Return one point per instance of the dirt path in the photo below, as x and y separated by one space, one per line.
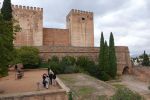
134 84
27 84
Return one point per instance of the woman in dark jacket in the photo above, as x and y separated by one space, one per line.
54 79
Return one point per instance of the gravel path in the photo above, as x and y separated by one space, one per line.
27 84
134 84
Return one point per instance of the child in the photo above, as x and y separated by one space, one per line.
44 80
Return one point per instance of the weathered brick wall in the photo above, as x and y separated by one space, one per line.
143 73
31 22
37 95
122 53
55 37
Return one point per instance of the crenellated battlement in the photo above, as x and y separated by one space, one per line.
80 12
27 8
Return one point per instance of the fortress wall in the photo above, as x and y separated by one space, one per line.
122 53
31 21
55 37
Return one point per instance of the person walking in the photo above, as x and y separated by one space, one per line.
50 76
16 71
54 79
47 82
16 67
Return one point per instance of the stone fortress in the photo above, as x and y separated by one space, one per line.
76 40
79 32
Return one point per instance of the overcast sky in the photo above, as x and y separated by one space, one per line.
129 20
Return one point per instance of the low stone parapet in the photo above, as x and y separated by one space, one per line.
37 95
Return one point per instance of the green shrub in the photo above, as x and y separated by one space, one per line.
90 66
82 61
103 76
94 71
44 64
71 69
103 97
55 67
70 96
54 59
68 60
3 71
126 94
28 56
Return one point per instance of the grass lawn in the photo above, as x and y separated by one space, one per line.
85 87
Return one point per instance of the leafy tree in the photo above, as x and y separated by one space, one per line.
7 10
101 52
145 61
28 56
112 57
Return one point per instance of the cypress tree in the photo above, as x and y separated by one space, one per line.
103 58
145 61
101 52
6 10
112 57
6 37
106 58
4 41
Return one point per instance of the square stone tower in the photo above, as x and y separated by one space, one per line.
31 22
81 28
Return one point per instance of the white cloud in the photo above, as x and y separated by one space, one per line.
130 26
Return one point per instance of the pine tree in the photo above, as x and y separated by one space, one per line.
145 61
6 10
101 52
112 57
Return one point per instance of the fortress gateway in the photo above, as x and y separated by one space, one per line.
76 40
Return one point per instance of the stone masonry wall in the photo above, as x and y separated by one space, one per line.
55 37
31 21
37 95
142 73
122 53
81 28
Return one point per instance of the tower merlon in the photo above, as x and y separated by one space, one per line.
80 12
27 8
